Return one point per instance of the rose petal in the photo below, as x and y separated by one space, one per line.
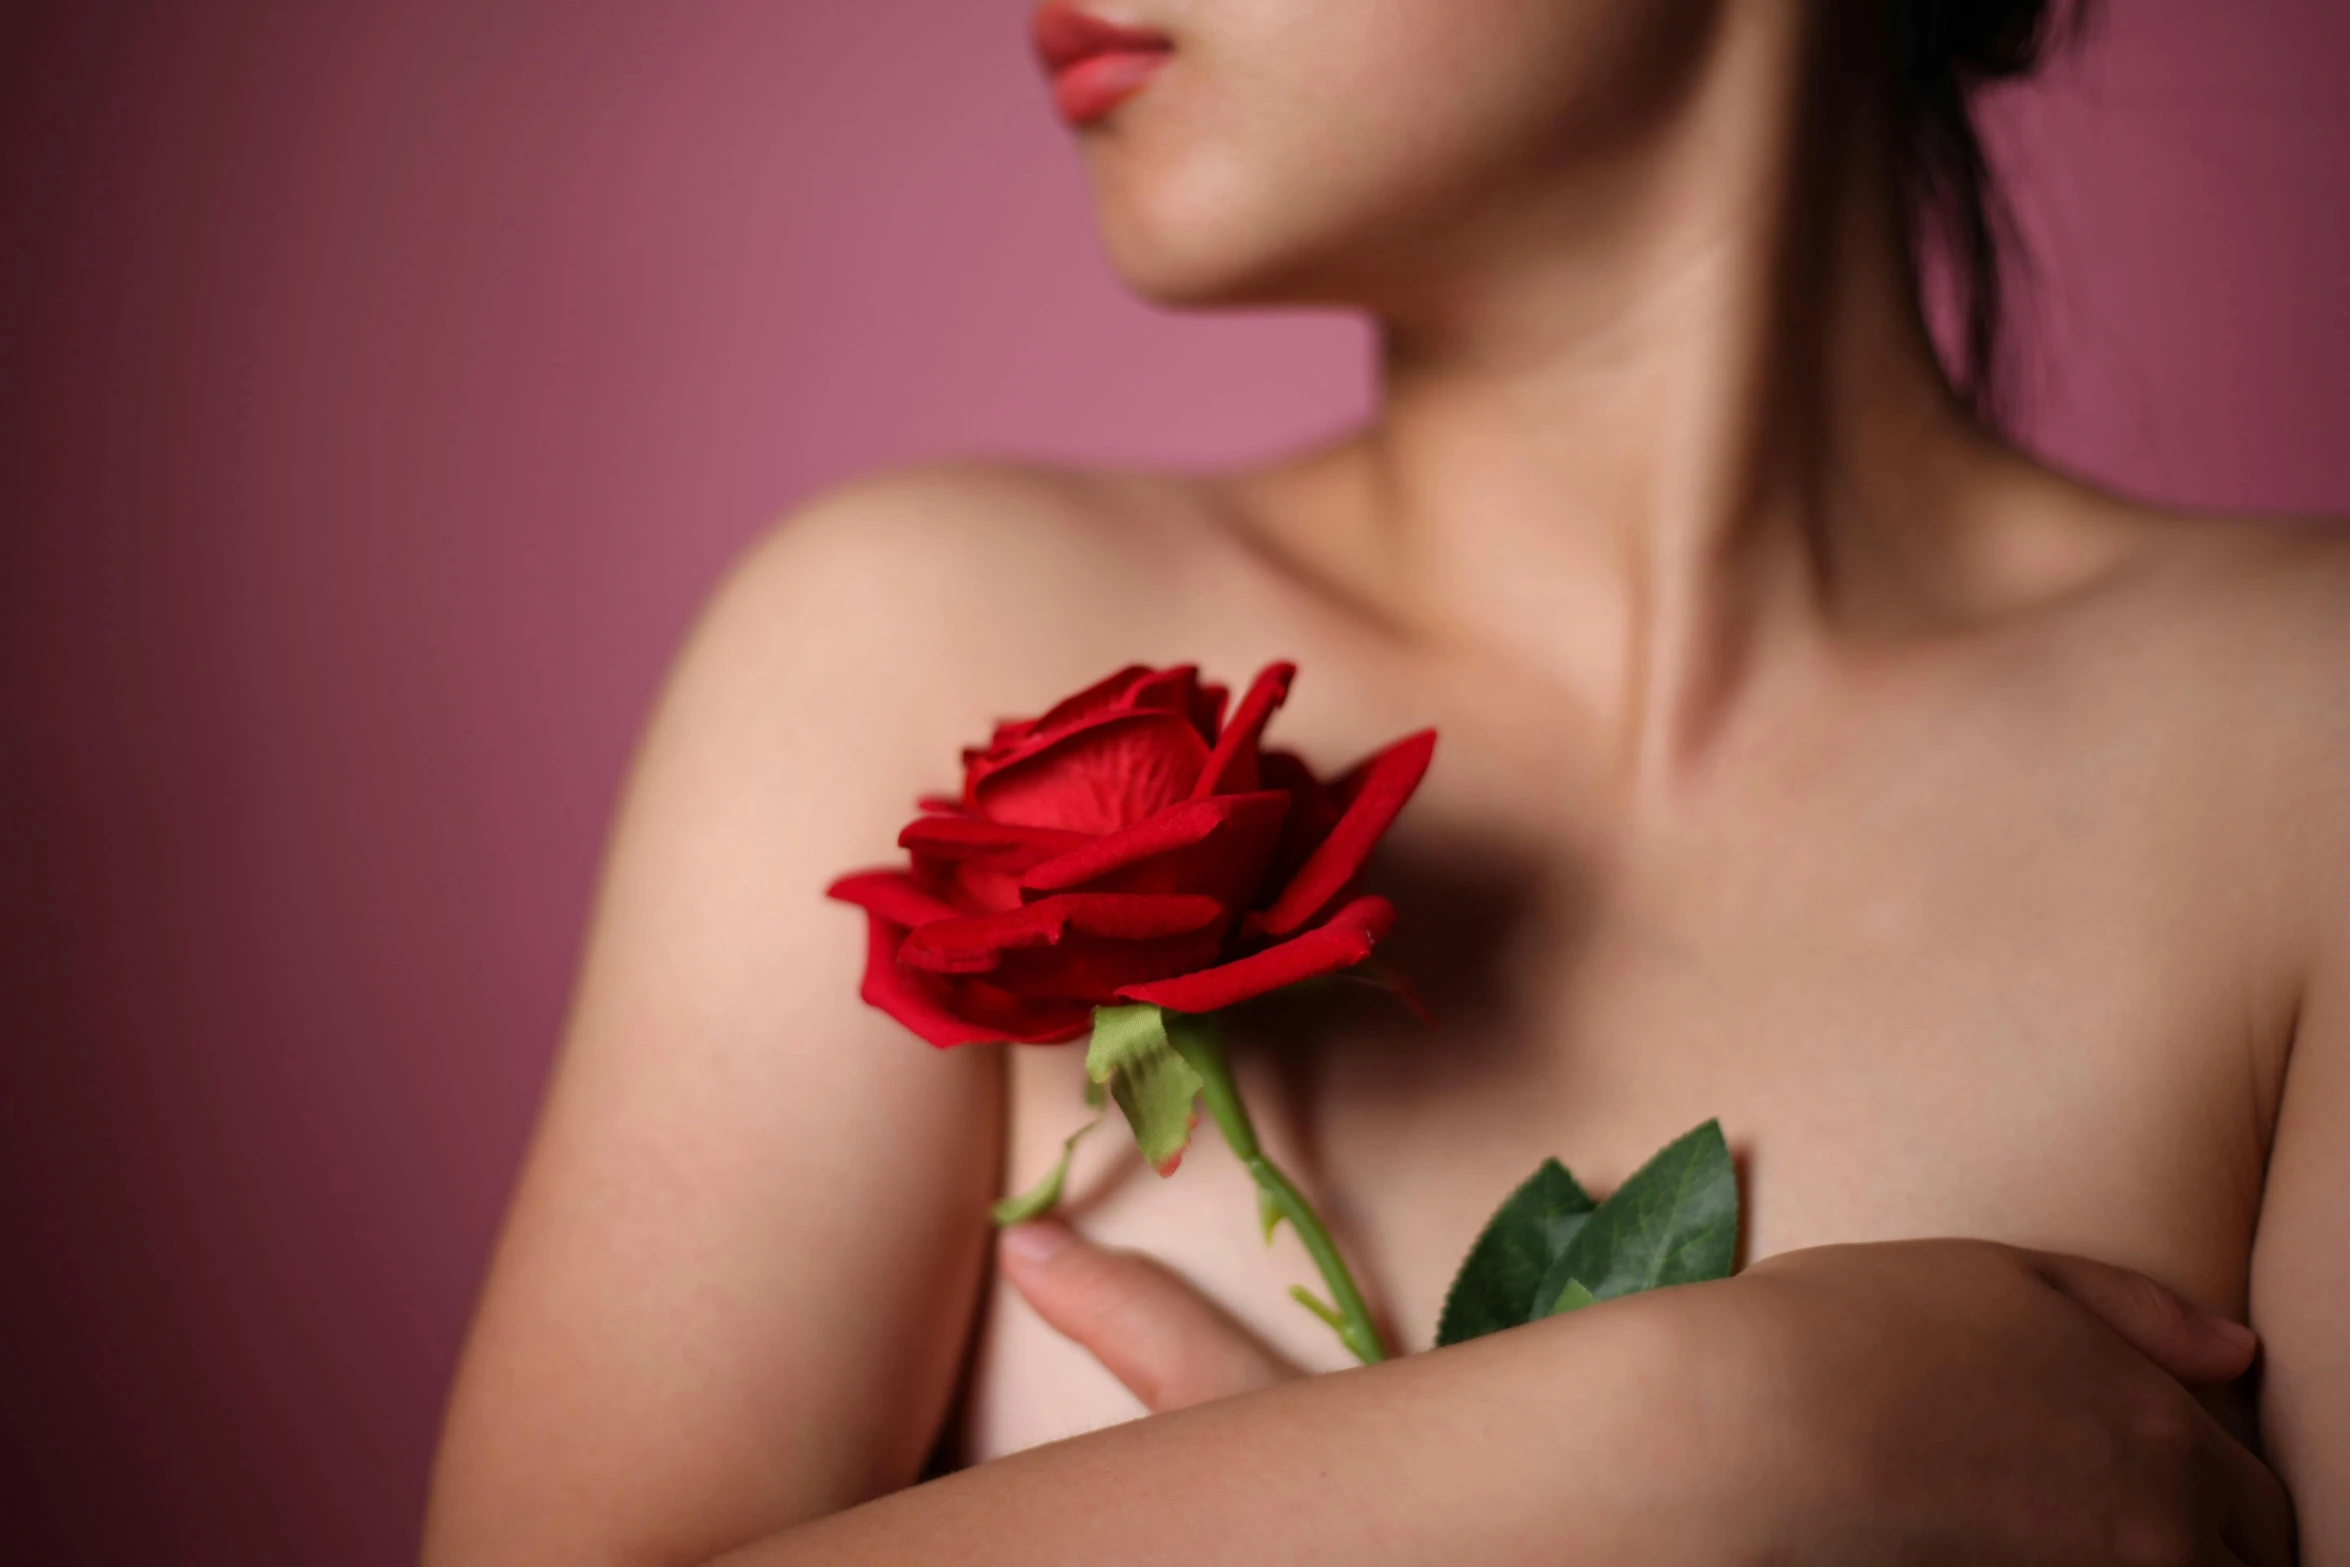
976 944
977 864
960 837
1312 813
1022 1020
1093 971
1232 766
1174 690
1106 695
915 1000
1099 778
893 896
981 886
1207 711
1373 793
1343 942
1218 847
1136 688
1393 980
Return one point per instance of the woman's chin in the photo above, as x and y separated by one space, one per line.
1206 277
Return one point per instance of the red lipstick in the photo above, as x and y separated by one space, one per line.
1094 65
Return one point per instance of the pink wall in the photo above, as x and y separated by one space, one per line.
381 386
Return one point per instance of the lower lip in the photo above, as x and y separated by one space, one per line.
1090 89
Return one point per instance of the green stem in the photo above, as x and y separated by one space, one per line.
1195 1038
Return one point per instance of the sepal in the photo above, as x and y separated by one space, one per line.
1148 1078
1045 1195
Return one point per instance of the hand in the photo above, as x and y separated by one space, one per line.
1910 1402
1964 1401
1170 1345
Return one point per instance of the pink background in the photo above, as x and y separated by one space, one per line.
382 385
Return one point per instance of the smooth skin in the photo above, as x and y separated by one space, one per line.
1976 846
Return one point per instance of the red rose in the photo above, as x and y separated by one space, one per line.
1130 846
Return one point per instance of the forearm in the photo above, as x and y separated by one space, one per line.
1582 1439
2301 1270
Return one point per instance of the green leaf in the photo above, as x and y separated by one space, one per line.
1496 1286
1149 1079
1045 1195
1573 1298
1674 1222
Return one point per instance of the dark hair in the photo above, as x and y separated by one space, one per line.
1944 50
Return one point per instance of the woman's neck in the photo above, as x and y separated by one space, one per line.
1663 409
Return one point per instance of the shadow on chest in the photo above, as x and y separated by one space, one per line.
1958 1020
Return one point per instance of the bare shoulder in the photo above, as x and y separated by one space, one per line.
2212 651
2206 599
964 545
900 609
2270 566
2263 603
2235 632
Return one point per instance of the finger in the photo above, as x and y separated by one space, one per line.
1170 1345
2257 1510
2193 1345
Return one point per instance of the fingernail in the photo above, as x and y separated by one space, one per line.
2238 1336
1036 1241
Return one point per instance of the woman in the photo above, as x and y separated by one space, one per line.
1971 843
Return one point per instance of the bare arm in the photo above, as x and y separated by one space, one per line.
2301 1262
2301 1277
735 1283
1479 1454
1913 1402
743 1260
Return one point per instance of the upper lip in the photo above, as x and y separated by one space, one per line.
1066 36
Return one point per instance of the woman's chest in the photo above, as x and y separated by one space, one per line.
1966 1019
